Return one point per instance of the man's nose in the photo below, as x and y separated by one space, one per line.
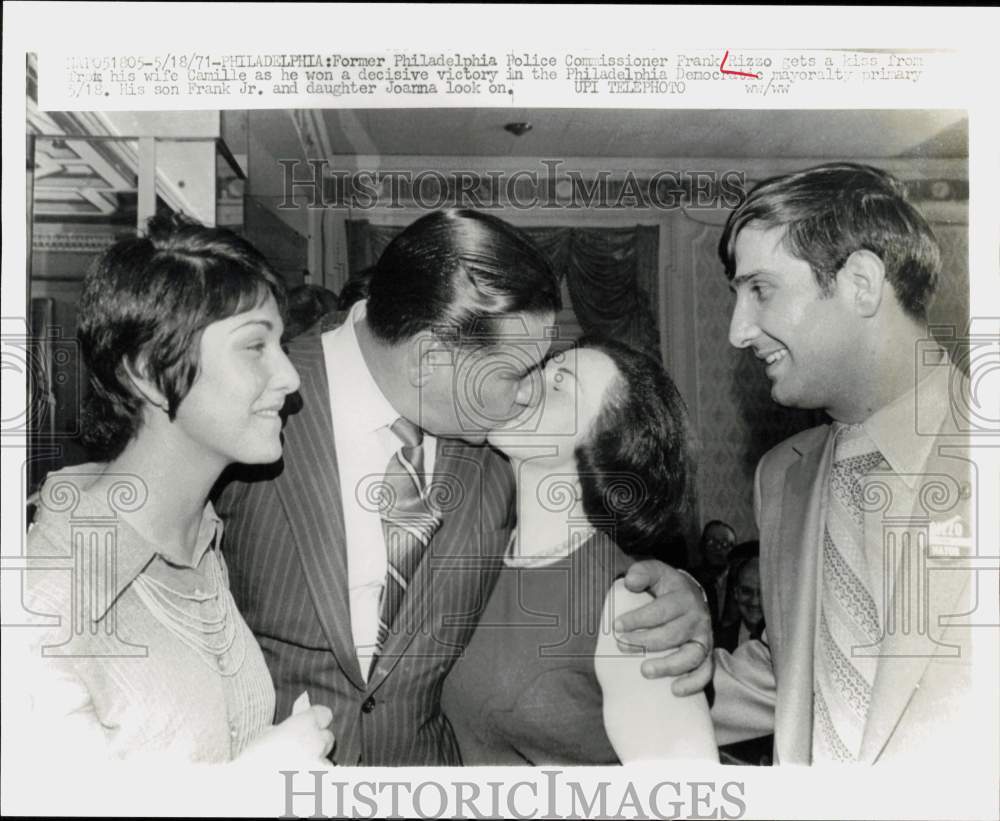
529 389
743 324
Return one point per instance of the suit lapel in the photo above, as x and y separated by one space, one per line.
799 541
457 477
309 489
923 598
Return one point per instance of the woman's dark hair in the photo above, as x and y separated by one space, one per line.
145 302
454 272
635 469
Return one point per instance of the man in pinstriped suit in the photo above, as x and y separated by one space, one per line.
455 324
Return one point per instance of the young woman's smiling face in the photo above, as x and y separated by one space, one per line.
232 409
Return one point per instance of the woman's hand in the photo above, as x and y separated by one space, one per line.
677 618
301 741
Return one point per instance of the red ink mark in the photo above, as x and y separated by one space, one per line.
725 70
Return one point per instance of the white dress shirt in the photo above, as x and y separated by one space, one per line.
362 417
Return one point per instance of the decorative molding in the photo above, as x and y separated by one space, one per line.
69 242
906 168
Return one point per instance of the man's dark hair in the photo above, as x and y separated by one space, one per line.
307 305
635 468
454 272
145 302
741 554
717 523
833 210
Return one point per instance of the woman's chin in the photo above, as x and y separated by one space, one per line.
500 442
514 444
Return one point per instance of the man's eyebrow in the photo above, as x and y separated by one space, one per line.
265 322
739 279
567 371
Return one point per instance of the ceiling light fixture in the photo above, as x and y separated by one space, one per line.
518 129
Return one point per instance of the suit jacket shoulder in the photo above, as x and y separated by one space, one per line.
793 447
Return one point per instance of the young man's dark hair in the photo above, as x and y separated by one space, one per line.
145 302
635 469
833 210
453 272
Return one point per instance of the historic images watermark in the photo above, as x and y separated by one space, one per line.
548 793
549 184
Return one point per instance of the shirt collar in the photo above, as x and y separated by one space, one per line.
135 554
369 408
896 428
94 512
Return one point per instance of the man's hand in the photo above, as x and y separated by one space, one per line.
678 618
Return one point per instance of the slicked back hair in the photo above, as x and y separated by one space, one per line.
456 273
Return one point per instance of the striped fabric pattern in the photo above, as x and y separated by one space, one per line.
284 543
408 523
843 681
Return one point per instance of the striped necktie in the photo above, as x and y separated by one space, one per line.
408 522
843 681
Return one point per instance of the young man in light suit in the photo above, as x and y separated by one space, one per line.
366 619
833 270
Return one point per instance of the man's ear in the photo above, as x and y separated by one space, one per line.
144 386
863 277
425 353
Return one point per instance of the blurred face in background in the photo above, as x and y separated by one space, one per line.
747 593
717 544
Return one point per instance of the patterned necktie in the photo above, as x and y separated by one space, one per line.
842 681
408 522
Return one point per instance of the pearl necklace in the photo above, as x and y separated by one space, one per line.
211 637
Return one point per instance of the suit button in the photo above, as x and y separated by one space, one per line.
368 705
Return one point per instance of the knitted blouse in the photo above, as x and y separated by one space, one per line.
134 653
